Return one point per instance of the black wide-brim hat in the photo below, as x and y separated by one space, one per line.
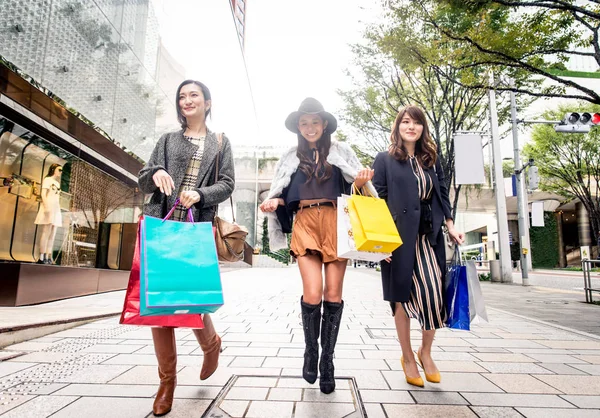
310 106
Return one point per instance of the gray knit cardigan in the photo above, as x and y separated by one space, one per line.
173 153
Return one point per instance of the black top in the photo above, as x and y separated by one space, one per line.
299 189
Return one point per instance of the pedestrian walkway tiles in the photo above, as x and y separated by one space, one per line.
510 367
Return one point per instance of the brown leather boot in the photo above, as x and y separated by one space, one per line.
210 343
166 354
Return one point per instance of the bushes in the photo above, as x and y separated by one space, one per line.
544 243
282 255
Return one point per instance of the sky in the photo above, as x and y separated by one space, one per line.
294 50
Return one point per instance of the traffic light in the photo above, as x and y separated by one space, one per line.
578 122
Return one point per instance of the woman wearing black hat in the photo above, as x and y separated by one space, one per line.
307 181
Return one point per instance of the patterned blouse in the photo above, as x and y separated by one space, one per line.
424 181
191 176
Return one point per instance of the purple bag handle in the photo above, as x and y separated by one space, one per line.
190 216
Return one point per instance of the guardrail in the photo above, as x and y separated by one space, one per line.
586 266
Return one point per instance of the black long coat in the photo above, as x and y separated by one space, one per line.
395 182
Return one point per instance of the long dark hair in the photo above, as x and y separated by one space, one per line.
323 170
425 148
205 93
52 169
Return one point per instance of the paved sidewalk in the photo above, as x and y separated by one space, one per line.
557 279
559 307
15 318
511 367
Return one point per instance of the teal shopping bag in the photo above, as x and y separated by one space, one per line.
179 269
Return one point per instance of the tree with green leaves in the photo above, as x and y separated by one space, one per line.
569 164
530 38
398 63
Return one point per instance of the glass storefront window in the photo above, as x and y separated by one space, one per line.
87 208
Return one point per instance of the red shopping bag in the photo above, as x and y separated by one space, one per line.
131 306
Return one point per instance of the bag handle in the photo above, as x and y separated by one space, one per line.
220 142
190 215
361 192
457 258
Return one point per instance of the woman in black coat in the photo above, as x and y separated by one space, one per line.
410 178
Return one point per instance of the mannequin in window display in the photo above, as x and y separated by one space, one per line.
49 217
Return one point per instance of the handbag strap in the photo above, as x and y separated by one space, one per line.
220 142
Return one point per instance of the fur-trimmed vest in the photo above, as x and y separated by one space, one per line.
340 155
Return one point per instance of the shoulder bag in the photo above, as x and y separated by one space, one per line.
230 237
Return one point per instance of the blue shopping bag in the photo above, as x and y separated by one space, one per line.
179 268
457 295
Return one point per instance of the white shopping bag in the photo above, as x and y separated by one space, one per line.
476 303
346 247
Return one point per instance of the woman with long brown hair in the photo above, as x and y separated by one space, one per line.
307 181
411 180
181 170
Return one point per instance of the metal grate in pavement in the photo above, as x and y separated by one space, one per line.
351 407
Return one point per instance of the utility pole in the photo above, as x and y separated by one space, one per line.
521 195
501 216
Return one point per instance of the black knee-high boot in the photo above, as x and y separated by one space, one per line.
332 316
311 322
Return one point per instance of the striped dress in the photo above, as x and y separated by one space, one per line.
425 303
191 177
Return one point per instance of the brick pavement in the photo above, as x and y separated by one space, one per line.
511 367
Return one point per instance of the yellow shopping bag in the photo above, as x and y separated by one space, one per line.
373 227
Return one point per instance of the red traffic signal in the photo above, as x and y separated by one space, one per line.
578 122
584 118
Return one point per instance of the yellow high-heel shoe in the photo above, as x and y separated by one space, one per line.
415 381
433 378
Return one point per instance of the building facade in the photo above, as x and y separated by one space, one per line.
82 85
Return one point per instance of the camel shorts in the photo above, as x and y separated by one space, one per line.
315 233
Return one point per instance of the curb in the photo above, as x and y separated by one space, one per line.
21 333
